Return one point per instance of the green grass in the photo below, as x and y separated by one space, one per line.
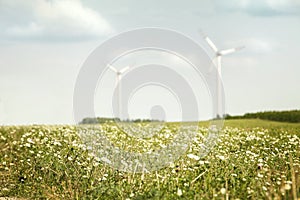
253 159
252 123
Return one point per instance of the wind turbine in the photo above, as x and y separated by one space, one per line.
119 73
218 56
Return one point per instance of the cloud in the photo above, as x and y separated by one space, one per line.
260 7
258 46
58 19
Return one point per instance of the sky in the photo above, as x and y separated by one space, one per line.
44 43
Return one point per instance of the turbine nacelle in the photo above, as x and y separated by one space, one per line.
119 72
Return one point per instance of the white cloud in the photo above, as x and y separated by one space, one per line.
32 29
284 5
258 46
260 7
51 19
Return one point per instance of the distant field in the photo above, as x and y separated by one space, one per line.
253 159
252 123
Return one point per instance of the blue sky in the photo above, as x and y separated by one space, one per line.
44 43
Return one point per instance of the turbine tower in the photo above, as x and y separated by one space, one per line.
218 56
119 73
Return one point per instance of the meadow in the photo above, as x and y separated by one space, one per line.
253 159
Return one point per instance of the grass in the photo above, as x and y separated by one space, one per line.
253 159
252 123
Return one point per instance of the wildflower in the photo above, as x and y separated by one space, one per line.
260 175
57 143
278 182
172 165
27 145
264 188
287 187
201 162
30 140
95 164
192 156
106 160
288 182
223 191
221 157
179 192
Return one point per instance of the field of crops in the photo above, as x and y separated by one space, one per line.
251 160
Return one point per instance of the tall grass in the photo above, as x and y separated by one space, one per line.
249 162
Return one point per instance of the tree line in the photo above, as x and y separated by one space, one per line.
99 120
292 116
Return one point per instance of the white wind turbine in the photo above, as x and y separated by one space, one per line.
119 73
218 56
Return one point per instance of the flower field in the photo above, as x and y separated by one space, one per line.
252 160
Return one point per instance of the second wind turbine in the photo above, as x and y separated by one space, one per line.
218 56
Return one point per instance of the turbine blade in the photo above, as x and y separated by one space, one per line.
208 40
211 44
124 69
112 68
229 51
